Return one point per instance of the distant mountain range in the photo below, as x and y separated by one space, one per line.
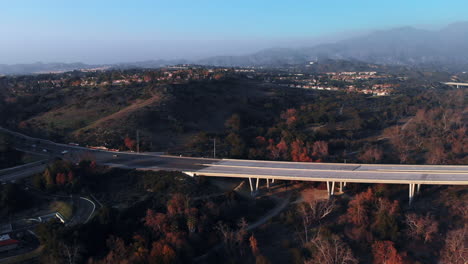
407 46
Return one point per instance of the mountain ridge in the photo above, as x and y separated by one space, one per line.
404 46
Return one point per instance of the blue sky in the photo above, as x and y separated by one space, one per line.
104 31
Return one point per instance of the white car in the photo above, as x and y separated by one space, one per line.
64 152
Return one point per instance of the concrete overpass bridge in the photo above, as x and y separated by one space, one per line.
333 174
456 84
336 173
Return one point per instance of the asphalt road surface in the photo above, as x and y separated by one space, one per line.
363 173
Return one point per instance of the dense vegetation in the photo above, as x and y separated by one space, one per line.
12 199
176 220
9 157
339 127
167 217
375 226
249 119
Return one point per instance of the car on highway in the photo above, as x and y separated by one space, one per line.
64 152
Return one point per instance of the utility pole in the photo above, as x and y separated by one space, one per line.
214 148
138 140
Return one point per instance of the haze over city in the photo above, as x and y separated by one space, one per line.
99 32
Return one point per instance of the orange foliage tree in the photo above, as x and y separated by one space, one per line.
384 252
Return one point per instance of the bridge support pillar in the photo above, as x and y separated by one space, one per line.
411 192
330 188
418 188
256 186
251 186
268 183
272 180
342 184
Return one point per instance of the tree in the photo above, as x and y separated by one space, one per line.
237 145
372 155
254 245
385 223
313 211
359 208
161 253
233 124
299 151
60 179
118 251
290 117
274 151
437 154
455 250
177 204
48 178
260 259
156 221
384 252
282 148
422 227
320 149
129 143
70 177
330 251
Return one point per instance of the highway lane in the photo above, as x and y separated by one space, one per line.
368 176
364 173
23 173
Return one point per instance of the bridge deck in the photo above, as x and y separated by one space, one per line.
363 173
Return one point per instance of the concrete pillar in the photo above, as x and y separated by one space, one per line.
341 187
330 188
272 180
268 183
411 192
418 188
256 186
251 187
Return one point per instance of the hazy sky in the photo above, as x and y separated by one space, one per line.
109 31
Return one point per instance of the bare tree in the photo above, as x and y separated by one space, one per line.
71 253
422 227
233 239
455 250
330 251
313 211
